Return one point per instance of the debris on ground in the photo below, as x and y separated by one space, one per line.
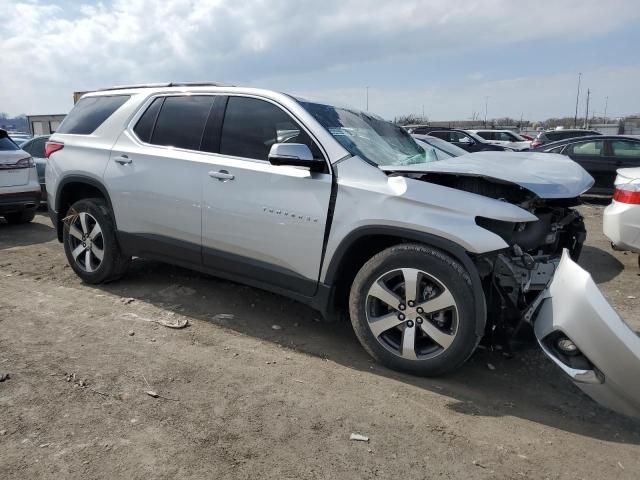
4 376
478 464
491 366
276 327
165 322
223 316
131 333
154 394
3 433
127 301
356 437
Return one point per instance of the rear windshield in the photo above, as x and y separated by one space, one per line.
7 144
89 113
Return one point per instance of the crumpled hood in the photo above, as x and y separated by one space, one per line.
548 175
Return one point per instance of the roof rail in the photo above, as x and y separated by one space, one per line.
165 84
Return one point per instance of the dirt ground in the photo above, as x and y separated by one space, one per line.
240 399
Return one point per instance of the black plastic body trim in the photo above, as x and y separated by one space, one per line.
218 263
452 248
55 214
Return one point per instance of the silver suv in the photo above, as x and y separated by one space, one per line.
346 212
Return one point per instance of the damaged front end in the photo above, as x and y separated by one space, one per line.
536 293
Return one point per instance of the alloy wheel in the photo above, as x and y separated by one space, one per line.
86 242
412 314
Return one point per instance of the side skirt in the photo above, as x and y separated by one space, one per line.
228 266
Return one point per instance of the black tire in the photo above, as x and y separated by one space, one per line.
17 218
451 274
113 264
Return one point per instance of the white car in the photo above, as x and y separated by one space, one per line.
506 138
622 217
19 187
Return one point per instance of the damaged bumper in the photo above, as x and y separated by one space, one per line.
584 336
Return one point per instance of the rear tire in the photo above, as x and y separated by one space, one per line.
17 218
428 329
89 238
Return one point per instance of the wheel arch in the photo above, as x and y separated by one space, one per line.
361 244
73 188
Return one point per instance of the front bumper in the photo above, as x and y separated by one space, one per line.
573 306
621 224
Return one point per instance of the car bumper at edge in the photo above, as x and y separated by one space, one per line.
574 306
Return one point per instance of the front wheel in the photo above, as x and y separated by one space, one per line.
90 242
412 308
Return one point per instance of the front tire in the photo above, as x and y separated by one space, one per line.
412 308
90 242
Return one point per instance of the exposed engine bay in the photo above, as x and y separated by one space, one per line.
515 277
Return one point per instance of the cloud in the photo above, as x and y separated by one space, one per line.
51 49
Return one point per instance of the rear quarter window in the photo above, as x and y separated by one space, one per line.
89 113
7 144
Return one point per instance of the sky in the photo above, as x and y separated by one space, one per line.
450 59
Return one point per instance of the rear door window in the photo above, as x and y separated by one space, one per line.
181 121
251 126
444 135
7 144
89 113
486 135
36 147
591 148
625 149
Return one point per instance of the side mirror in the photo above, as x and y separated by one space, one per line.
294 154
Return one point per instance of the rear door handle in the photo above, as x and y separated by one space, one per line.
123 160
221 175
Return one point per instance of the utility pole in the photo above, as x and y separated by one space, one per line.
486 107
606 104
575 119
423 112
586 113
367 99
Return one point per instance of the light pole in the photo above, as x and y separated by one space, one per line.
486 108
606 104
575 119
586 113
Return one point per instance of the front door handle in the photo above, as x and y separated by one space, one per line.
221 175
123 160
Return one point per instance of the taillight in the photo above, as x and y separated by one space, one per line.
627 193
52 147
25 163
536 144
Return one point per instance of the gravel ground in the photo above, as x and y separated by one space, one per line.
240 399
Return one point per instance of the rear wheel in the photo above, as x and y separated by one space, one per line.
412 308
24 216
90 242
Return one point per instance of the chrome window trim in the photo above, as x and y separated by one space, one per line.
149 100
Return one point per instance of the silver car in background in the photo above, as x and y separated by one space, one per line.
36 148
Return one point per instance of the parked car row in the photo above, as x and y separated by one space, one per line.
600 155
